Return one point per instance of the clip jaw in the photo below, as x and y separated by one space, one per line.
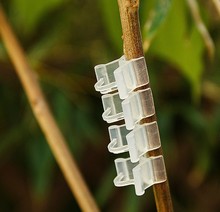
124 169
112 108
118 80
105 76
118 139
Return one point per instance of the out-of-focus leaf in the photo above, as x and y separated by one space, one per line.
157 16
41 163
2 52
181 45
42 48
110 14
106 187
11 138
133 201
27 14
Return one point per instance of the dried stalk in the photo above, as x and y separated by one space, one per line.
132 49
45 118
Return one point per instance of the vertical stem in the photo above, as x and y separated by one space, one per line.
129 13
45 118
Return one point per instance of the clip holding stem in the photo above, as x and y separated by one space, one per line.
122 75
131 75
142 139
148 172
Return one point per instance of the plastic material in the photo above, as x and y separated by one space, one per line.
105 76
118 142
142 139
137 106
124 169
112 108
148 172
121 74
131 75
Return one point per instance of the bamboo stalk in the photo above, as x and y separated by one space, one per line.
45 118
129 13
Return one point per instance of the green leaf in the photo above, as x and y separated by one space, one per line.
157 16
27 14
181 45
111 18
41 163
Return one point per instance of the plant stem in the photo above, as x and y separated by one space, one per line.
45 118
129 13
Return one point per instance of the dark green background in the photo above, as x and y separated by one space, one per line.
64 40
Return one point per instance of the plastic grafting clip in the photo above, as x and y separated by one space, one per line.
105 76
142 139
121 74
131 75
112 108
137 106
148 172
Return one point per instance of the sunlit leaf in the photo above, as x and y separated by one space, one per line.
181 45
157 16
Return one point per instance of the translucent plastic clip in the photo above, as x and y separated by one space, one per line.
137 106
105 76
148 172
124 168
118 142
131 75
112 108
142 139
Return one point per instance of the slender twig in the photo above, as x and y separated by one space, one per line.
217 5
45 118
194 8
132 49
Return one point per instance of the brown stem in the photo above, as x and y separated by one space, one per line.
129 13
45 118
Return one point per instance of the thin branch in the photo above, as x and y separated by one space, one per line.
193 5
133 49
217 5
45 118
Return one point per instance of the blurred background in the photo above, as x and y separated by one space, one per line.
64 40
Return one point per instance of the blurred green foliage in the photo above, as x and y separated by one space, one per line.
64 40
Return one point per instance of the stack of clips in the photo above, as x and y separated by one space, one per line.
118 82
